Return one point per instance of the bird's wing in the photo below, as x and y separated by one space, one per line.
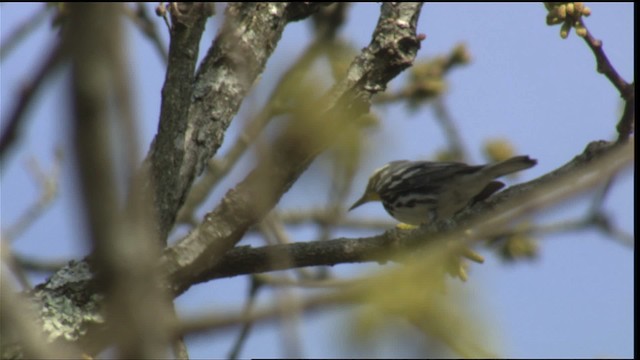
425 176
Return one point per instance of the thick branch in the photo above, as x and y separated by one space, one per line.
196 111
246 260
166 156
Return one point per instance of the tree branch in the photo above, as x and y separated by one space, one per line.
196 113
627 91
28 93
392 49
71 301
247 260
166 158
125 252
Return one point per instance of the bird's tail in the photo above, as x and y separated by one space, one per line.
508 166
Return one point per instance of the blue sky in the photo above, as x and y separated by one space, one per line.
524 83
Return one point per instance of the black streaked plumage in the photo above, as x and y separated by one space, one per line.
416 192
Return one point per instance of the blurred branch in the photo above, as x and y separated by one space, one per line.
274 232
328 20
36 265
48 185
21 337
19 33
392 291
455 145
140 17
603 223
26 95
125 251
345 158
321 216
277 281
426 79
519 242
180 349
221 321
273 229
254 287
9 260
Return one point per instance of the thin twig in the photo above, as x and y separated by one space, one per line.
274 230
20 32
254 288
305 283
220 322
37 265
626 123
603 222
452 134
604 66
9 260
140 17
27 95
48 186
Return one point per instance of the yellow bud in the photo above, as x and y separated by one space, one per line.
403 226
462 273
581 31
579 6
446 155
498 149
561 11
565 29
570 8
473 256
460 54
161 10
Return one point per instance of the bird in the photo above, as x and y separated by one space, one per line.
419 192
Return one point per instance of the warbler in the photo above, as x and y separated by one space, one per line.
418 192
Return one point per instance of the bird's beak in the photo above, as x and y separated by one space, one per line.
365 199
